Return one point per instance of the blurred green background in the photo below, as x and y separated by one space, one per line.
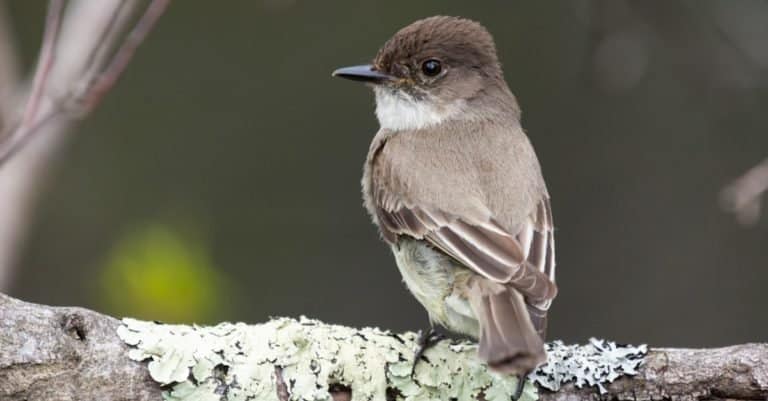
220 179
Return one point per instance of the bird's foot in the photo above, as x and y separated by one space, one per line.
427 339
521 379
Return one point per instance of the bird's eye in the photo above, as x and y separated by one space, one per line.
431 67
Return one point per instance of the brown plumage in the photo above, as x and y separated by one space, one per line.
456 189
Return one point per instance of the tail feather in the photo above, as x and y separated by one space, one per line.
509 342
539 319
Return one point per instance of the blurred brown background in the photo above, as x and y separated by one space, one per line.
220 178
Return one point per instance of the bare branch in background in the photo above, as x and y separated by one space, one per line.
45 61
743 196
104 81
74 87
85 49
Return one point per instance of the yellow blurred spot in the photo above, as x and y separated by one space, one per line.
158 273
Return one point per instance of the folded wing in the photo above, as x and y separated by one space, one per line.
524 260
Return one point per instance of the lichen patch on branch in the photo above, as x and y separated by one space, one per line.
239 362
594 364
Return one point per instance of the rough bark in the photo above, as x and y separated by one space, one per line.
66 353
55 353
738 372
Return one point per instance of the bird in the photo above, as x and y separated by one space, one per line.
456 190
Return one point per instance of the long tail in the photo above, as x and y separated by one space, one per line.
509 342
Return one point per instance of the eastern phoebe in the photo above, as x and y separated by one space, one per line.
455 188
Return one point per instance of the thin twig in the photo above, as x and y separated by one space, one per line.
116 66
110 33
23 135
45 61
743 196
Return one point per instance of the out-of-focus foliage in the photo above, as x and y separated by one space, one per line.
162 273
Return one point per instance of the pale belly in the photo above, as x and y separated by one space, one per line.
438 283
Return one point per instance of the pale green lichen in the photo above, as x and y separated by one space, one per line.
593 364
238 362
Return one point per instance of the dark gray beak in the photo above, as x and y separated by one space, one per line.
363 73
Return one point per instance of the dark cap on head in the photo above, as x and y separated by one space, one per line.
432 54
452 40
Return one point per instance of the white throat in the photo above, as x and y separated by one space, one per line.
399 111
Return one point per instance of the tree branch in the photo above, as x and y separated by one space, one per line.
57 354
61 353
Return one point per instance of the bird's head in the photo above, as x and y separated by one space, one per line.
429 71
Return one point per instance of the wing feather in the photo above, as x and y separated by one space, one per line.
524 260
